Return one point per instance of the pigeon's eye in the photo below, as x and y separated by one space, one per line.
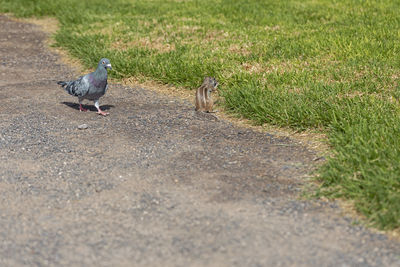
104 63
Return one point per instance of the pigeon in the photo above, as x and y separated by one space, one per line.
91 86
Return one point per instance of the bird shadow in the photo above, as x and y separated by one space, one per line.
89 107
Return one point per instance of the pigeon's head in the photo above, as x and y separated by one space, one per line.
105 63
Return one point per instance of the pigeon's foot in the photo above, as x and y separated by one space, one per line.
100 112
81 108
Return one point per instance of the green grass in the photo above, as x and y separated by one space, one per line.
320 64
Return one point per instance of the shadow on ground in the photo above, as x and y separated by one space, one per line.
88 107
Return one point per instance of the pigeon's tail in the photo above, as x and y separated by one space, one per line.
68 87
62 83
65 86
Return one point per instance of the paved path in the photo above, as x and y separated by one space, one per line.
153 184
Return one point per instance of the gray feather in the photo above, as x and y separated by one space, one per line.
77 88
91 86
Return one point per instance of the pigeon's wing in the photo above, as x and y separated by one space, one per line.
79 87
97 87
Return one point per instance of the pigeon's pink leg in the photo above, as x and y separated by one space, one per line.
80 105
99 111
81 108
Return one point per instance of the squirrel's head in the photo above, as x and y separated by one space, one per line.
211 83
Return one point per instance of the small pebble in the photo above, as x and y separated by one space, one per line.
82 126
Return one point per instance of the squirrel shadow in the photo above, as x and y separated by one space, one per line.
89 107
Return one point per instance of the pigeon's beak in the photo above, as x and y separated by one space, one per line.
108 66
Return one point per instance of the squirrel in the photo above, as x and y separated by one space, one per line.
203 95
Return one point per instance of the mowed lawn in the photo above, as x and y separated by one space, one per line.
333 66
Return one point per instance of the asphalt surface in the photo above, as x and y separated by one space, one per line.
152 184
